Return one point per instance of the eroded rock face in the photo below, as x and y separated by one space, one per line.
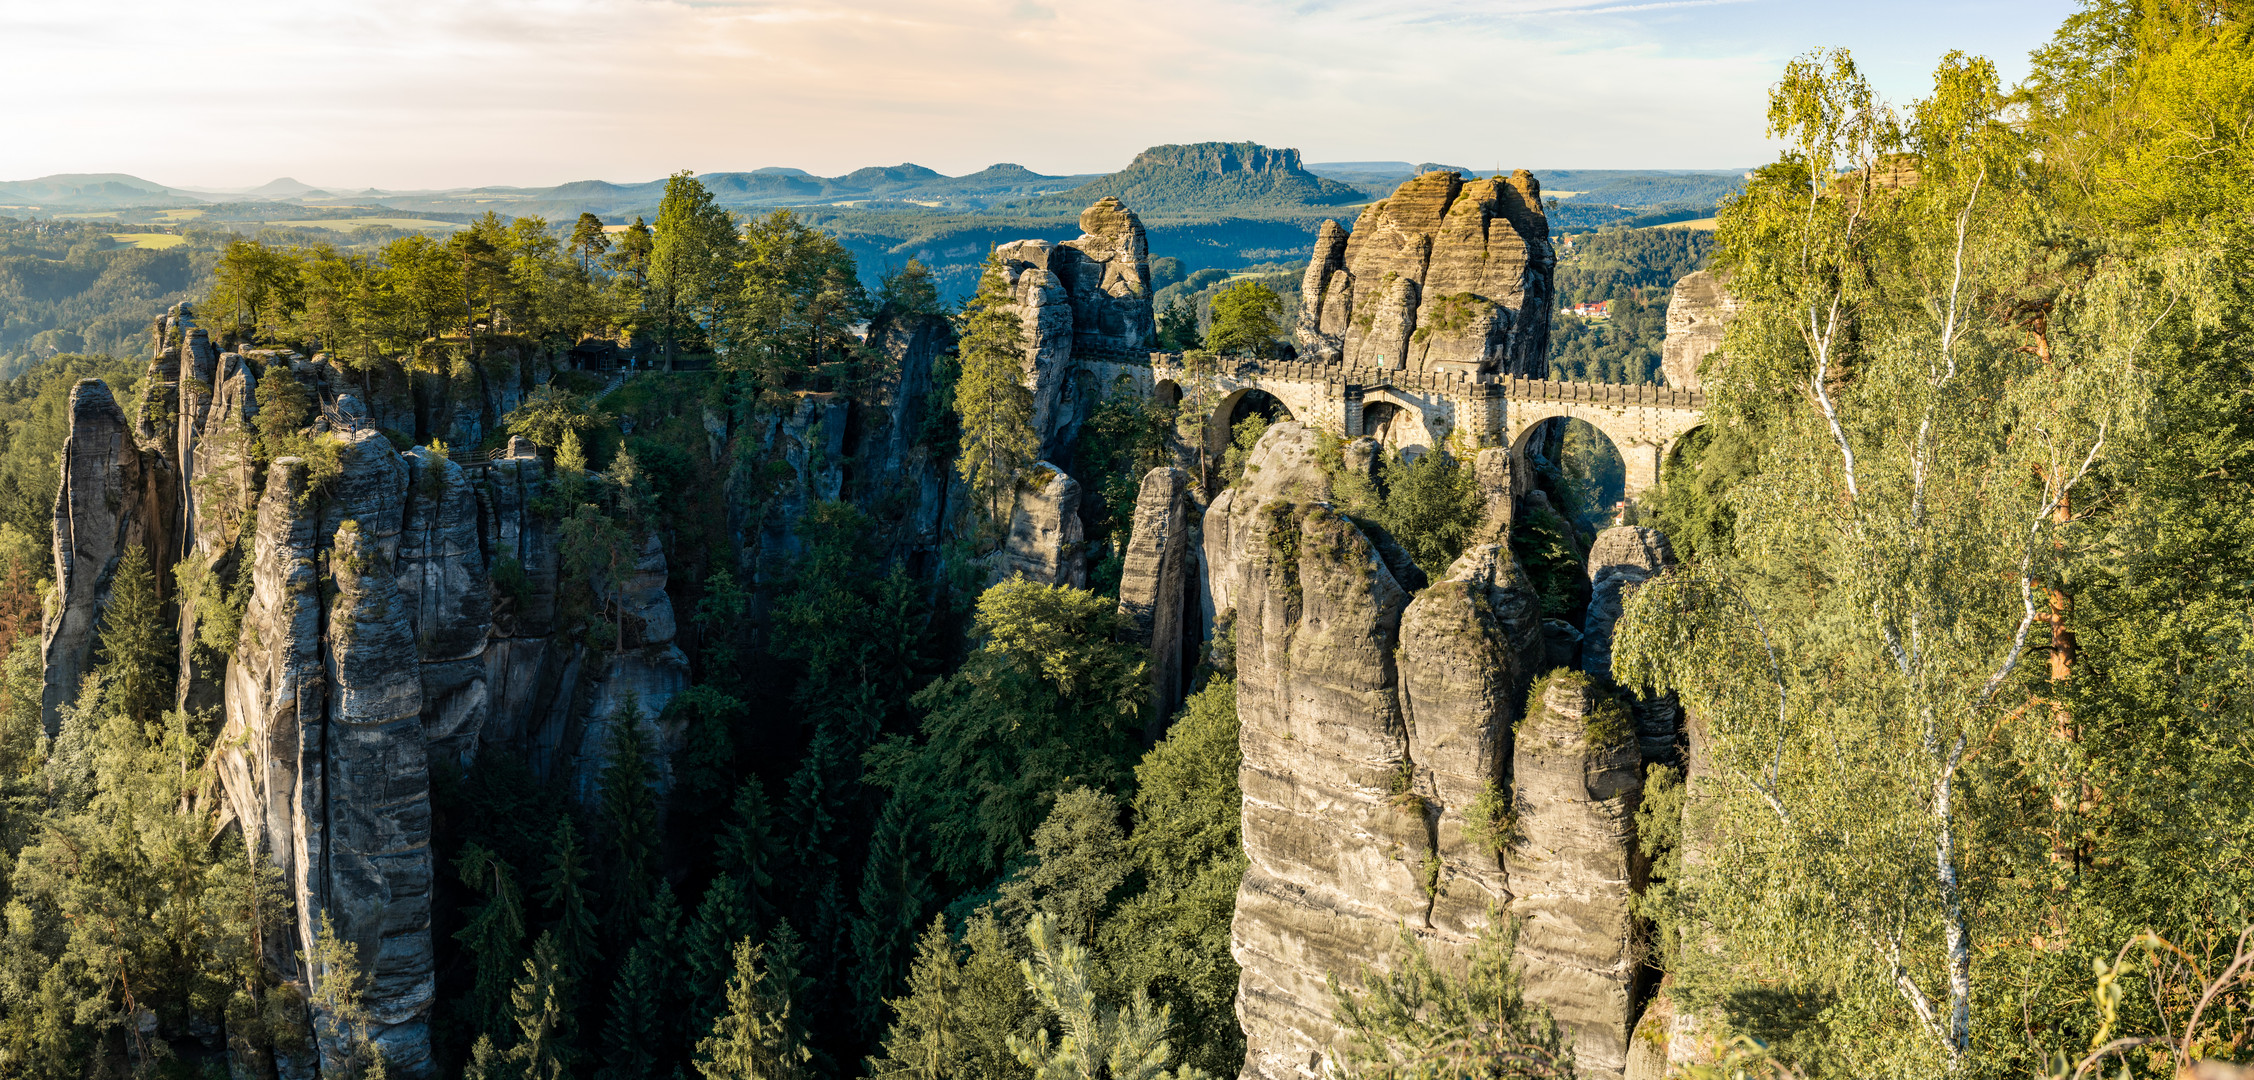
373 879
1110 284
1046 539
449 597
1446 274
1156 605
894 477
113 496
1470 645
1623 557
1577 780
1698 313
1088 298
1336 839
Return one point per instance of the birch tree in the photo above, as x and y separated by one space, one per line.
1868 662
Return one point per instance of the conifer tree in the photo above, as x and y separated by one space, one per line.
636 1026
1099 1041
925 1041
723 918
540 1003
136 640
762 1035
990 394
895 891
561 891
588 240
629 811
491 932
750 851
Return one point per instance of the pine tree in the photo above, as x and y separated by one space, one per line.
629 813
636 1026
750 851
995 1005
894 894
136 640
588 240
990 393
1100 1041
760 1036
563 894
540 1003
925 1041
723 918
491 932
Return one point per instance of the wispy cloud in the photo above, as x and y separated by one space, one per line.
437 92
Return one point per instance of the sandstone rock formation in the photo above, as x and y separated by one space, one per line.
1445 275
1088 298
113 497
1470 645
449 597
893 474
1157 604
1698 313
372 874
1623 557
1045 538
1335 837
1576 780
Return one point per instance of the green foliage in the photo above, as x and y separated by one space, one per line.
1177 326
629 825
1692 505
760 1037
135 640
1491 821
964 1002
540 1004
254 287
1418 1020
571 932
218 607
492 930
693 278
995 408
1079 860
1431 506
339 1005
1048 698
1248 318
801 300
910 291
551 413
1124 438
1242 438
1095 1040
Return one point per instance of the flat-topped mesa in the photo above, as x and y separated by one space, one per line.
1446 275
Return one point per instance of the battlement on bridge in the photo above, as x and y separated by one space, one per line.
1452 383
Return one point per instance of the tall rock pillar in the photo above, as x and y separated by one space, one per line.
1155 586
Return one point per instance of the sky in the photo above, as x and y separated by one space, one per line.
402 94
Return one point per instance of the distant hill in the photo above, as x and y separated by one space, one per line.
91 190
1210 177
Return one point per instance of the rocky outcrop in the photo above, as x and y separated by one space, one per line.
893 475
1698 313
1045 540
218 489
1088 299
113 496
1577 780
1157 604
372 878
1623 557
1470 645
449 597
1445 275
1336 829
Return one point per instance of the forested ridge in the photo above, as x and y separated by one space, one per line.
1963 624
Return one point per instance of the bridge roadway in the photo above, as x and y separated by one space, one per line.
1463 410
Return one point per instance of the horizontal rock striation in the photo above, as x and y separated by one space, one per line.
1445 275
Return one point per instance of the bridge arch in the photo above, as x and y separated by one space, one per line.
1233 407
1642 436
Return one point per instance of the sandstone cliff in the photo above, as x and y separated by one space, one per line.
1390 755
1157 593
1446 275
1698 313
1088 299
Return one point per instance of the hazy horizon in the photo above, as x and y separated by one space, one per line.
534 93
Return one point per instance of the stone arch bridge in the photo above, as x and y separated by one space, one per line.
1463 410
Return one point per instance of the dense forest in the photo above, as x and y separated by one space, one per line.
1961 621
